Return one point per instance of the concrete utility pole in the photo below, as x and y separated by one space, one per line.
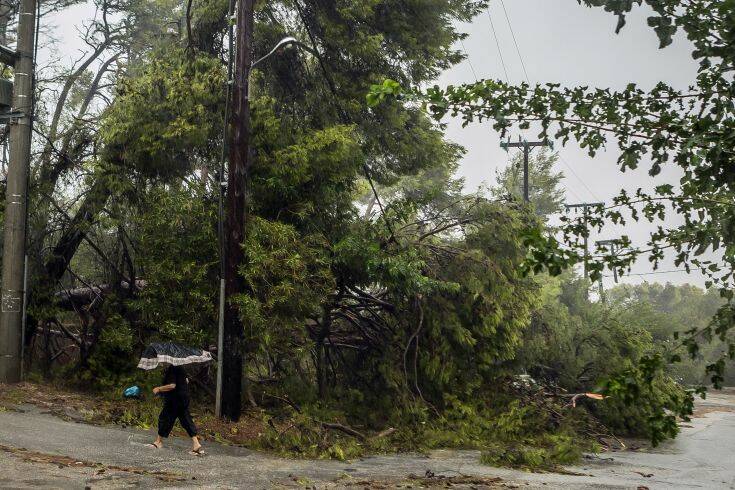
240 162
14 234
526 145
585 210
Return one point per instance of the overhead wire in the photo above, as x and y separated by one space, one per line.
507 18
574 194
566 164
561 157
497 43
469 61
525 72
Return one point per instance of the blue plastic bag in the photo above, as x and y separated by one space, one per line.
132 392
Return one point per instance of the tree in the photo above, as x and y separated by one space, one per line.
162 121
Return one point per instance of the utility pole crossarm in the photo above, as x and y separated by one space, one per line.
585 205
526 145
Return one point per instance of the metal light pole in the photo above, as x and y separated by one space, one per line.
14 233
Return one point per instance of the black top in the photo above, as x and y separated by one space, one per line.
176 375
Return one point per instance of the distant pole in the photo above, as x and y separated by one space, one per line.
526 145
612 244
14 233
585 210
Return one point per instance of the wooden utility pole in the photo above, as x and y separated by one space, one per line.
585 211
526 145
14 233
238 177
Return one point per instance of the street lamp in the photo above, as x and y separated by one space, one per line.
282 44
286 42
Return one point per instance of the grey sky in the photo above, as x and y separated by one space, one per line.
560 41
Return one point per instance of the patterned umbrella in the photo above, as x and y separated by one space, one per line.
170 353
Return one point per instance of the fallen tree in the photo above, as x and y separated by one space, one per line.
90 296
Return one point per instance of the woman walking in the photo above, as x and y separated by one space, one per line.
175 391
175 387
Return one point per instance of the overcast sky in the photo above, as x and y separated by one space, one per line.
559 41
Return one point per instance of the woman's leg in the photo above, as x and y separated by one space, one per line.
188 424
166 420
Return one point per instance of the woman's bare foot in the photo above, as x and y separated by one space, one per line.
156 444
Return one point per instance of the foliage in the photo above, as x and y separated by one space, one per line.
581 347
166 118
288 275
668 311
643 400
177 241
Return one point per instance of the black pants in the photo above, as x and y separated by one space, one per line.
173 409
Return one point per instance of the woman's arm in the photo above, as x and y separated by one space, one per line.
164 388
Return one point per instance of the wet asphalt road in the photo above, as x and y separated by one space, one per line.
109 457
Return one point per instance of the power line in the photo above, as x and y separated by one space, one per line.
467 57
497 43
561 157
574 194
525 72
507 18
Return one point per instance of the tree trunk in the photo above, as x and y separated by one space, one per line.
76 230
53 270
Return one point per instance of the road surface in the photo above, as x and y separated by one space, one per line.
38 450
